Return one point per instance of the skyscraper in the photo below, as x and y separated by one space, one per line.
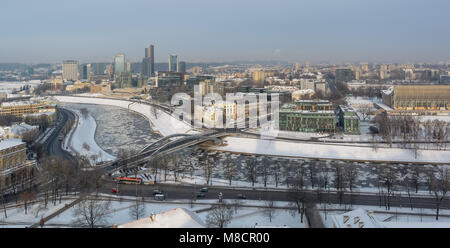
70 70
344 75
148 62
181 67
119 63
86 71
173 61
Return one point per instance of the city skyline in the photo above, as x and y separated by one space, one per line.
316 31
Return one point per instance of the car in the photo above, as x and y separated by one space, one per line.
204 190
200 194
115 190
241 196
160 197
157 191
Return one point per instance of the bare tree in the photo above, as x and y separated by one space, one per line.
365 110
440 186
298 199
351 174
415 178
26 197
339 181
270 208
388 176
250 170
265 170
220 215
313 173
137 210
230 169
92 212
276 171
407 183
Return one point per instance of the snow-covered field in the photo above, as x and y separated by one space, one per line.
396 217
327 151
119 213
11 86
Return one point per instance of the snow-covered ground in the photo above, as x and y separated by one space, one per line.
328 151
396 217
11 86
119 213
82 139
167 124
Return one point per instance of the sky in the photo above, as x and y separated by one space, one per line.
402 31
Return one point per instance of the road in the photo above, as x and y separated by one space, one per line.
188 192
53 145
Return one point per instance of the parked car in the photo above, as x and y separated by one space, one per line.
200 194
204 190
115 190
160 197
241 196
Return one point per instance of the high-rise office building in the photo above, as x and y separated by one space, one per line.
86 71
128 67
181 67
344 75
173 61
119 63
148 62
259 76
70 70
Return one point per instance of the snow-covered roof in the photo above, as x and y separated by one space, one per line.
23 128
8 143
358 218
388 91
175 218
301 92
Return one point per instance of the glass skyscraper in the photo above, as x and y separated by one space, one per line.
119 63
173 61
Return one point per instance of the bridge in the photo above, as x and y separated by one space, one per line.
161 147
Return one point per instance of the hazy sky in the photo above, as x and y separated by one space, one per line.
211 30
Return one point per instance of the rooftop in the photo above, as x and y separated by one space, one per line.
8 143
175 218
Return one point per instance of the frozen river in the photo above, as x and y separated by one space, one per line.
118 128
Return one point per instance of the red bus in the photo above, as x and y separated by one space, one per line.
129 180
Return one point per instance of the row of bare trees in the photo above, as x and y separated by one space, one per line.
409 130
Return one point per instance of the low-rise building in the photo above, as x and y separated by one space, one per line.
21 108
348 120
308 116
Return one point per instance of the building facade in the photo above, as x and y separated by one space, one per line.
308 116
119 64
426 98
70 70
14 166
348 120
173 62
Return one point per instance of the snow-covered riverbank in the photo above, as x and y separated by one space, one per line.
82 139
